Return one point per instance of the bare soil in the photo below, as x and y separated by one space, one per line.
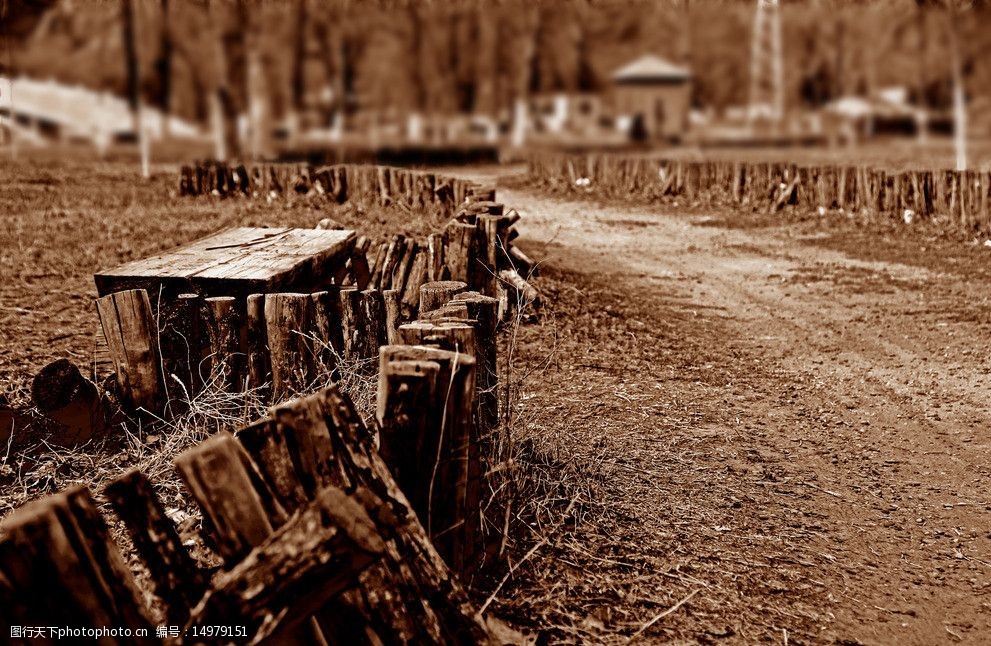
785 421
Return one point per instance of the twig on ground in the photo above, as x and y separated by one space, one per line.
662 615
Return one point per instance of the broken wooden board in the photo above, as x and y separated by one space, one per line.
236 262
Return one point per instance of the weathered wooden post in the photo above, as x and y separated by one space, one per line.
178 581
185 348
58 556
435 258
483 312
132 340
374 329
460 251
352 323
414 280
226 327
393 315
259 361
451 518
327 339
436 294
289 323
240 511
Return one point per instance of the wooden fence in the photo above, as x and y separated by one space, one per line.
339 182
318 541
961 198
323 536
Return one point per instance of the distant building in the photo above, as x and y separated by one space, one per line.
654 93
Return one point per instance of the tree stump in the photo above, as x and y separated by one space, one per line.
289 324
132 340
226 326
58 559
393 315
259 361
437 294
72 401
178 581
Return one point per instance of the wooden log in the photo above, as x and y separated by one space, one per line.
401 271
406 414
57 558
438 293
327 336
374 328
491 253
393 305
256 344
132 341
436 269
415 279
285 459
227 328
461 248
484 312
289 322
524 293
238 510
72 401
392 258
523 264
295 571
460 334
360 273
375 268
267 447
389 613
410 547
449 312
177 580
185 349
352 324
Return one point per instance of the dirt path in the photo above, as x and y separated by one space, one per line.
794 436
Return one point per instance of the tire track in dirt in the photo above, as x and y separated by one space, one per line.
868 397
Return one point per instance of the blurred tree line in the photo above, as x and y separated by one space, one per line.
444 56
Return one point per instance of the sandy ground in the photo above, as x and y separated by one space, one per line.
792 437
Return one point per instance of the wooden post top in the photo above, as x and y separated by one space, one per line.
236 262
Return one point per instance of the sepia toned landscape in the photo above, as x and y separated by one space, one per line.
495 323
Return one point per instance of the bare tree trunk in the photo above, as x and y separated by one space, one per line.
922 79
298 70
959 93
521 116
229 79
164 66
134 83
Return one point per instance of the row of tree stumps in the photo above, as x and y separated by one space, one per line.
384 185
319 535
318 542
962 197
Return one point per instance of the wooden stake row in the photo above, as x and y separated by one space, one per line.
960 197
384 185
319 542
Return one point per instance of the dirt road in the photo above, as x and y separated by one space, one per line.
793 438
